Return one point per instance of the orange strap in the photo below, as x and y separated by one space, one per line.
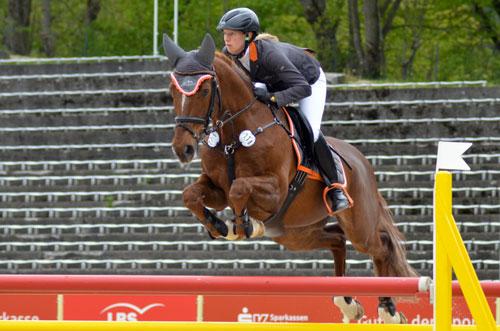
310 173
253 52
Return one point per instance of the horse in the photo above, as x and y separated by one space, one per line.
248 162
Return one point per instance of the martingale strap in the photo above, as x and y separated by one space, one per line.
274 224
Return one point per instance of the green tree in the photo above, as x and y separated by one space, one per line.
388 39
16 29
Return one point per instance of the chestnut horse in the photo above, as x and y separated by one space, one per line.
215 106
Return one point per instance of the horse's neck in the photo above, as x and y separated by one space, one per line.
235 91
237 95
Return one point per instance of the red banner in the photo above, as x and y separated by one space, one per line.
129 308
28 307
267 309
285 309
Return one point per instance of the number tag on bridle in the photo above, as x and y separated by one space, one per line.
213 139
247 138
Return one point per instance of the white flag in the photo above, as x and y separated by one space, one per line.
450 156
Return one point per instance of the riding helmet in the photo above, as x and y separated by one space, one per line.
240 19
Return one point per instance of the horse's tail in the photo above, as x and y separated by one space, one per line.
392 237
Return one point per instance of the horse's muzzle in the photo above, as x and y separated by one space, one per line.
185 153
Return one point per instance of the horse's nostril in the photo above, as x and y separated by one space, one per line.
188 150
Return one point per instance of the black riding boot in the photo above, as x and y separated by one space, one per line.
331 170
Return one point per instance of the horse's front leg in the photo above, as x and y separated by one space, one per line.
203 193
264 193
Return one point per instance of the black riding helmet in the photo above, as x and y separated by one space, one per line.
240 19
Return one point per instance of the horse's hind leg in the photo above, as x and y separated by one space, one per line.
384 267
351 308
390 261
387 312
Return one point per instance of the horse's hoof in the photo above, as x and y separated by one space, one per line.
222 228
211 235
351 311
231 231
248 228
397 318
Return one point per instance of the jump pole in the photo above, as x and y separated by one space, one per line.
214 285
214 326
227 285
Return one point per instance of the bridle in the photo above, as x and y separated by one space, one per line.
228 150
181 121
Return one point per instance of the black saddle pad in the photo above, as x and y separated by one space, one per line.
305 136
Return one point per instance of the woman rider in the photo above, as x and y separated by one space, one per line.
287 74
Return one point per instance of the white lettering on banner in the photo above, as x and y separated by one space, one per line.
127 316
119 316
366 320
455 321
418 320
247 317
7 317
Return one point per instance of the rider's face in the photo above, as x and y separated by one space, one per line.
234 40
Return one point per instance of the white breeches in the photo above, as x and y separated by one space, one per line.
314 105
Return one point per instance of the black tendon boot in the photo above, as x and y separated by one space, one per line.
331 170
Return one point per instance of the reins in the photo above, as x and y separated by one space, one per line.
227 117
228 150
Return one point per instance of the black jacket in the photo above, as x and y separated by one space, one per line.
287 70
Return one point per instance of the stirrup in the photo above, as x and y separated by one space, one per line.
329 206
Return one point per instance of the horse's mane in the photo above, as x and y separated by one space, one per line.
226 60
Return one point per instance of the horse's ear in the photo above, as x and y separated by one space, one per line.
206 52
172 51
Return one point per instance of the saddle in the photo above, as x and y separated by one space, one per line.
302 139
304 135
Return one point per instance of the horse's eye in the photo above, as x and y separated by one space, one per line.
204 92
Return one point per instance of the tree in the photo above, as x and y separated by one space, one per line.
489 18
91 13
325 29
46 35
17 36
378 19
413 17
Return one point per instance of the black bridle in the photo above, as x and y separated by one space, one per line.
181 121
228 151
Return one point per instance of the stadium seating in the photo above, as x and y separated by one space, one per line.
90 184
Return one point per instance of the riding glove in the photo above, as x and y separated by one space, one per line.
262 94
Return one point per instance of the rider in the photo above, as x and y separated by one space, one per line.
287 74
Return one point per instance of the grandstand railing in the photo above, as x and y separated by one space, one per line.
211 263
119 195
168 145
412 102
88 75
152 211
82 59
171 126
137 163
411 84
87 245
84 110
